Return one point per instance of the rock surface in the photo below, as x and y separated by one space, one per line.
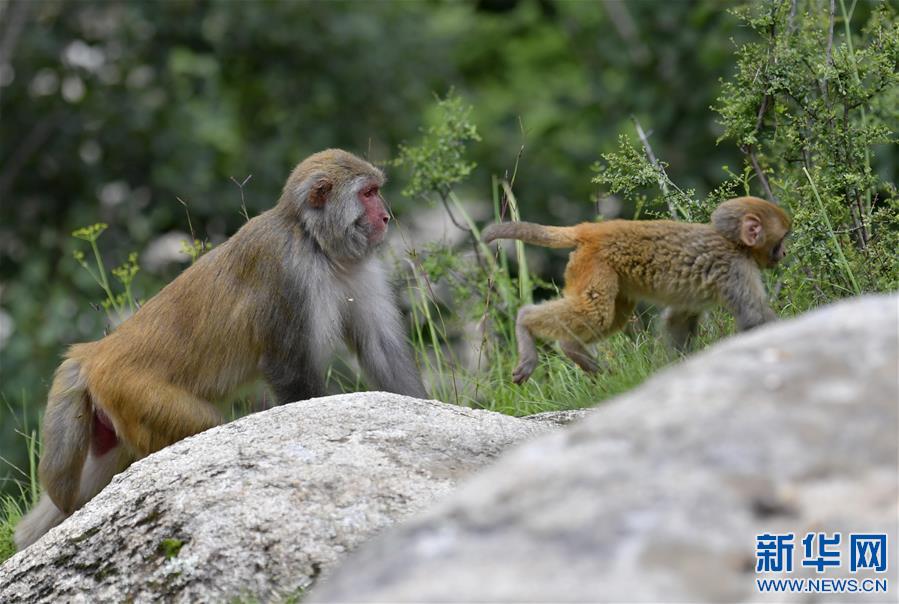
660 494
560 418
257 508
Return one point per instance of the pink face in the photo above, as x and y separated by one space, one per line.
375 211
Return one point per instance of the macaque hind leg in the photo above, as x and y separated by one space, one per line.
681 326
105 460
577 352
574 320
150 413
624 310
98 470
527 347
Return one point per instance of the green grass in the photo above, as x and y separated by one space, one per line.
10 513
25 492
627 359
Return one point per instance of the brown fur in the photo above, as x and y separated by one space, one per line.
270 302
686 267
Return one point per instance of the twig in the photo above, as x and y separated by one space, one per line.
833 12
829 53
660 171
418 269
749 150
190 225
847 18
853 199
470 228
761 112
449 213
848 230
510 180
243 205
857 214
515 169
836 244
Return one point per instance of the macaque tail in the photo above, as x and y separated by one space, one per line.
39 519
535 234
67 435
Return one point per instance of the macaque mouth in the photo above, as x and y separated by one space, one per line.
374 233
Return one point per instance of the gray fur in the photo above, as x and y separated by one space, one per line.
40 519
335 290
339 228
743 293
681 325
68 418
727 222
373 329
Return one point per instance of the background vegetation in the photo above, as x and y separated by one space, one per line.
131 113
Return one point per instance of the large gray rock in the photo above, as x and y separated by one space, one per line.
660 494
259 507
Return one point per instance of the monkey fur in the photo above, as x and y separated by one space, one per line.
686 267
273 302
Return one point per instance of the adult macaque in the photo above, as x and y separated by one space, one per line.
273 301
687 267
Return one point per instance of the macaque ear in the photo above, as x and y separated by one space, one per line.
319 192
751 231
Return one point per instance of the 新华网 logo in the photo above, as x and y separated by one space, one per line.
777 553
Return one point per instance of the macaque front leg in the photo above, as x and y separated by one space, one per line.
682 326
744 295
576 351
384 354
297 379
583 317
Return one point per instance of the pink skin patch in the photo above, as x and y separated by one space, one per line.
103 438
375 211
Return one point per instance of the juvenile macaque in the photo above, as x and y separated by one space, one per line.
687 267
273 302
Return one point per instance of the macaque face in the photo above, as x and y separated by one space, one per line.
778 252
375 217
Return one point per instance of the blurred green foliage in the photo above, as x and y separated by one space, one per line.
116 111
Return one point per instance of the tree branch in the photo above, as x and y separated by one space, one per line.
662 180
829 53
749 150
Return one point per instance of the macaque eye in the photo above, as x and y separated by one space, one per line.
370 192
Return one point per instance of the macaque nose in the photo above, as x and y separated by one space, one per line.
385 218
